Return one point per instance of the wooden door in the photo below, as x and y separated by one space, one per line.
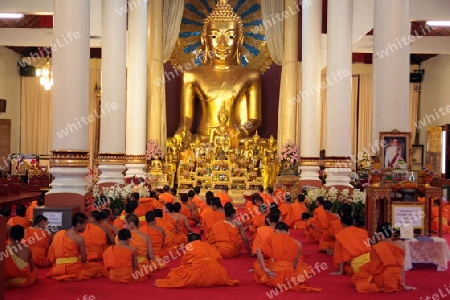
5 143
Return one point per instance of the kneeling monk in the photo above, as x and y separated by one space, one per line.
43 238
20 271
284 262
385 271
200 267
68 254
120 261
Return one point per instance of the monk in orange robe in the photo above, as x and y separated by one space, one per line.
130 208
156 204
157 235
209 218
259 219
169 215
146 203
140 210
223 196
144 248
326 238
227 236
200 267
385 271
96 237
314 225
268 200
435 218
42 239
166 197
336 226
287 212
265 232
169 229
199 200
279 194
188 210
120 261
20 271
106 223
20 218
68 254
284 262
209 196
32 206
351 249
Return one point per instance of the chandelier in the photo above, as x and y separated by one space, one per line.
45 75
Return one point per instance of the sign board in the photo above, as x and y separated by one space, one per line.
404 214
54 218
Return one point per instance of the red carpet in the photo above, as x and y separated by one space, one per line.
425 277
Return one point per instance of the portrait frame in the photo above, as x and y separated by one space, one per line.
388 140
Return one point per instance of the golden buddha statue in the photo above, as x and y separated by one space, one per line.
257 148
226 134
156 167
221 80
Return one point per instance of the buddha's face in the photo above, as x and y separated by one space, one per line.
223 118
222 38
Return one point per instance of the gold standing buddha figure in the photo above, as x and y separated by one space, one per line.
221 79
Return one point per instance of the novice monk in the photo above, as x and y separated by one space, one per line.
156 204
130 207
299 209
264 232
326 239
209 218
20 271
141 242
351 249
33 205
96 237
43 238
227 236
166 197
170 216
284 262
156 234
200 267
223 196
106 214
199 200
188 211
120 261
385 271
68 254
259 219
336 226
313 225
20 218
279 194
169 229
287 212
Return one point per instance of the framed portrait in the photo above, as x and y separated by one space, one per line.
395 151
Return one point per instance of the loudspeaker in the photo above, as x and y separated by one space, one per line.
26 70
416 77
2 105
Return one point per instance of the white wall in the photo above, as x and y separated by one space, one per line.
10 82
435 97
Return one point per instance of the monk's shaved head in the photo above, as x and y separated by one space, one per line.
281 226
132 219
158 213
124 234
327 205
150 216
347 220
78 219
194 237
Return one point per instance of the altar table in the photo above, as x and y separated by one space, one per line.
435 252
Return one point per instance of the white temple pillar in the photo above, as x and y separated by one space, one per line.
339 93
155 92
310 100
136 92
70 155
113 100
287 130
391 68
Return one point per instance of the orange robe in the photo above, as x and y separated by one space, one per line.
157 240
200 267
226 238
186 211
118 265
335 228
268 200
326 240
250 210
319 219
147 204
209 219
140 244
257 221
200 204
383 273
24 222
18 272
30 210
95 241
435 220
260 237
299 209
224 198
180 237
279 195
287 213
352 247
40 246
169 229
157 204
282 250
166 198
66 260
119 222
140 210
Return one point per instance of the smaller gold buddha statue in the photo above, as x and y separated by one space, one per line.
156 167
247 152
226 134
364 163
256 146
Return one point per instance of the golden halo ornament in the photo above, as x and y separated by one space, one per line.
253 53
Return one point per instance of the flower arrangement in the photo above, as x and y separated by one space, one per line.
290 152
113 197
356 199
153 149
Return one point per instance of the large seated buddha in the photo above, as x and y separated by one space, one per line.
221 80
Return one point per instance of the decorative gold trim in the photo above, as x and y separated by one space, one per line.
69 158
337 162
136 159
110 159
309 161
